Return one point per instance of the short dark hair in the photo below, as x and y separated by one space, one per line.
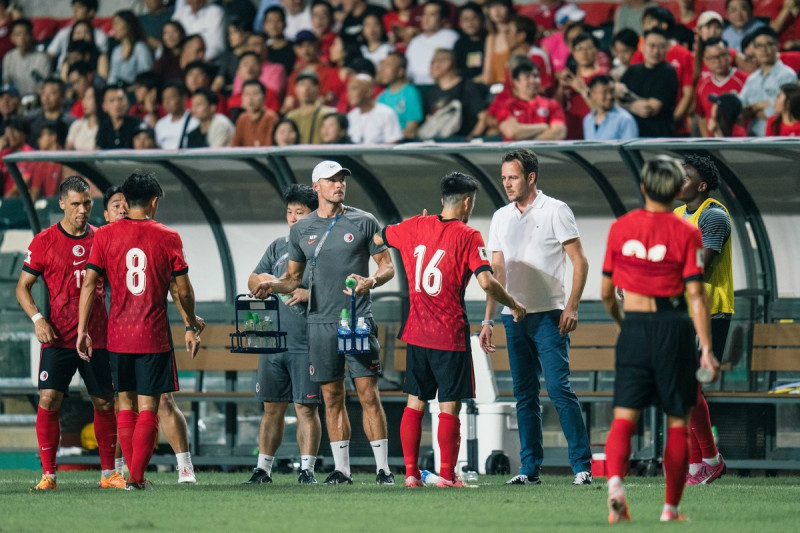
149 79
179 86
81 47
527 26
585 36
256 83
275 9
111 191
455 185
91 5
748 2
325 3
188 38
141 187
292 124
341 119
662 178
57 128
209 95
83 68
301 194
198 63
240 24
661 14
401 57
527 160
714 41
19 124
247 54
21 22
763 30
656 31
444 9
705 168
605 79
524 67
74 184
52 80
628 37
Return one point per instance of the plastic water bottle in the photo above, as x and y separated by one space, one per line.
266 325
704 375
296 309
469 477
249 327
258 341
362 335
343 332
429 478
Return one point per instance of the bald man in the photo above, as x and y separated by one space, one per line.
370 122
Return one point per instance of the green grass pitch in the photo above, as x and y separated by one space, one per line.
219 502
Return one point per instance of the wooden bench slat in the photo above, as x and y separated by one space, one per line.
215 360
215 335
775 360
776 335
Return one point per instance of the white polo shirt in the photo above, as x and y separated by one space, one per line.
532 246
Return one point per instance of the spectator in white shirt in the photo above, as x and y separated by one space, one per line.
370 122
205 19
298 17
433 37
214 130
81 10
173 128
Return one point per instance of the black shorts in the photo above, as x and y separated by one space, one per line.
656 362
429 370
148 374
58 365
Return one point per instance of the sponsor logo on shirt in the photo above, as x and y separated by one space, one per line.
78 250
43 375
348 237
28 257
312 239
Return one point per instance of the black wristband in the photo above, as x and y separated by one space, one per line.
189 328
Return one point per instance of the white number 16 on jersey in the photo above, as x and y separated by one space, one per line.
136 263
431 277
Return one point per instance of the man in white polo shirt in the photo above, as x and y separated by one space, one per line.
433 37
530 239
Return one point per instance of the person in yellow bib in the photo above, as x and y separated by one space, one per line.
702 177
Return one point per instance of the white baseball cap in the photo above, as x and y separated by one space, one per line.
707 17
327 169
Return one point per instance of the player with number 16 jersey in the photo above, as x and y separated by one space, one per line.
130 253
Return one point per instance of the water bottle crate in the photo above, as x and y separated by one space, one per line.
350 347
242 341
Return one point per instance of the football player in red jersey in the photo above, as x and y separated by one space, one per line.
169 414
439 254
59 254
653 256
139 257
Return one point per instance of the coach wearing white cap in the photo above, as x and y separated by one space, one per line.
335 242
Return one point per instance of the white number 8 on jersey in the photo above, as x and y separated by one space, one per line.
136 263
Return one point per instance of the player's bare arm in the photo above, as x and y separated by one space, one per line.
85 304
299 295
186 298
580 270
497 292
44 331
698 303
384 273
609 295
190 333
286 284
499 269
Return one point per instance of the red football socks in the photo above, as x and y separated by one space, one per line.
449 441
701 428
144 440
676 462
618 447
126 423
105 431
410 435
48 434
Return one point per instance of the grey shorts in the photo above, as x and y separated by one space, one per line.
284 377
327 365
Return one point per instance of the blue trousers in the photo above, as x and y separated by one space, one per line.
535 344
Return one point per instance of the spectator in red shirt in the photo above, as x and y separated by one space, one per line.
528 115
787 25
687 14
249 69
399 25
721 78
786 120
81 76
521 36
309 57
46 176
147 94
14 140
322 26
573 86
198 76
6 18
543 14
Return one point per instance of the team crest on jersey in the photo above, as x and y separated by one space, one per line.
28 257
258 386
311 369
543 112
43 375
483 252
348 237
78 250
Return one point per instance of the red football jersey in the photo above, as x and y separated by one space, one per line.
540 110
653 254
708 85
438 256
138 258
785 130
60 259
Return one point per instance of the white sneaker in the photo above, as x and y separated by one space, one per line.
582 478
522 479
186 474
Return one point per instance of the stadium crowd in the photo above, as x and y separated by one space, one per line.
197 73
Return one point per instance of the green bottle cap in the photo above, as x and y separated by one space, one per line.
344 314
248 316
350 283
